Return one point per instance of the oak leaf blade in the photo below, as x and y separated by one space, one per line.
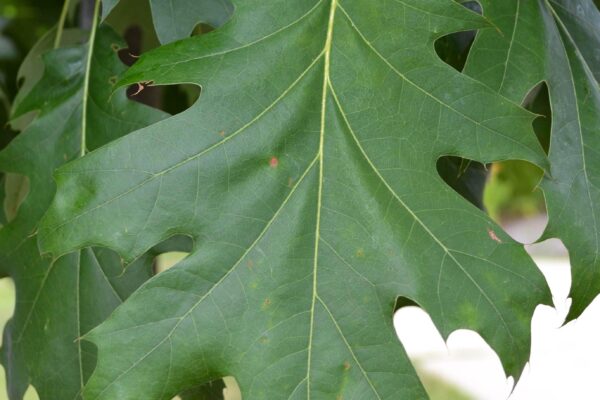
298 263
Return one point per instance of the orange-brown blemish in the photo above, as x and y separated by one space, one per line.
273 162
493 236
222 133
346 366
360 253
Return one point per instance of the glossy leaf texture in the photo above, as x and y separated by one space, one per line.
176 19
60 300
306 174
556 41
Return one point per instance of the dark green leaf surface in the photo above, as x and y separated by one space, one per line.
59 301
556 41
306 174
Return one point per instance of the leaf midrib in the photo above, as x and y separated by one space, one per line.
326 86
87 75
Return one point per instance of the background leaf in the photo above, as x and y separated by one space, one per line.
177 19
553 41
60 300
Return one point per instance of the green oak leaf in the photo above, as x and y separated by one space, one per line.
556 41
60 300
306 174
176 19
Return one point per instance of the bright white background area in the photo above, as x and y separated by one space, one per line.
565 359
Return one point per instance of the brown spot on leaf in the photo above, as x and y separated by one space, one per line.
347 366
115 47
112 80
360 253
273 162
267 302
222 133
290 182
250 264
493 236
